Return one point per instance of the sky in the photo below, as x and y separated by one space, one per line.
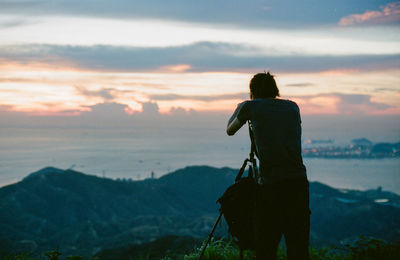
63 59
127 87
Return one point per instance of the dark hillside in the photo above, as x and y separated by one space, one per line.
81 214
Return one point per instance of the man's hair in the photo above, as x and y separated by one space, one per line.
263 85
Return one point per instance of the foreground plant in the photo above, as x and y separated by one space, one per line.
363 248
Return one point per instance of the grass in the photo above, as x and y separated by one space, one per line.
363 248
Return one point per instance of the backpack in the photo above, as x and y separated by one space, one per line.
237 206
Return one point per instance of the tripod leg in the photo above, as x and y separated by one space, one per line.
210 236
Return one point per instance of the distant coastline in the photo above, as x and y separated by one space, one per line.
358 149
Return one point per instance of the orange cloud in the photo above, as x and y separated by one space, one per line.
317 105
389 13
47 109
7 64
176 68
343 104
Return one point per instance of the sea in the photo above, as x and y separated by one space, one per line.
135 154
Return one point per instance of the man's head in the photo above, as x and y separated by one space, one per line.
263 85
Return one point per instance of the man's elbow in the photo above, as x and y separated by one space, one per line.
233 127
229 132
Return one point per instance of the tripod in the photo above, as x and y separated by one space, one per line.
252 172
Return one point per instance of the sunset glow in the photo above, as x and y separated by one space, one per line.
59 63
42 91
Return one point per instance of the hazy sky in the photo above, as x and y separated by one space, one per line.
149 85
63 58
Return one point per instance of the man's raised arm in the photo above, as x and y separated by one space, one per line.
234 124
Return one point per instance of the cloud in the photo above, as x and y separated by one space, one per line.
250 13
394 90
112 115
359 104
389 13
179 111
342 104
120 114
5 109
105 94
205 98
106 110
14 22
150 108
176 68
197 57
304 84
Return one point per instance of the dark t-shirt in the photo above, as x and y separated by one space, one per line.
276 126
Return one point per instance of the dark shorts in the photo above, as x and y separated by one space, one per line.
282 209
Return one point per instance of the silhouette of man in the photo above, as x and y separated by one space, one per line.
282 197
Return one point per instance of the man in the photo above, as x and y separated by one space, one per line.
282 197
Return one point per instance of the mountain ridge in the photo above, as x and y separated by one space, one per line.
83 214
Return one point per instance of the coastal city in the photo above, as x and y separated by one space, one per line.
358 148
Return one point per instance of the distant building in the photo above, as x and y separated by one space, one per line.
315 141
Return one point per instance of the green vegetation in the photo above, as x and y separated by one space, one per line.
362 249
23 256
50 255
218 250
